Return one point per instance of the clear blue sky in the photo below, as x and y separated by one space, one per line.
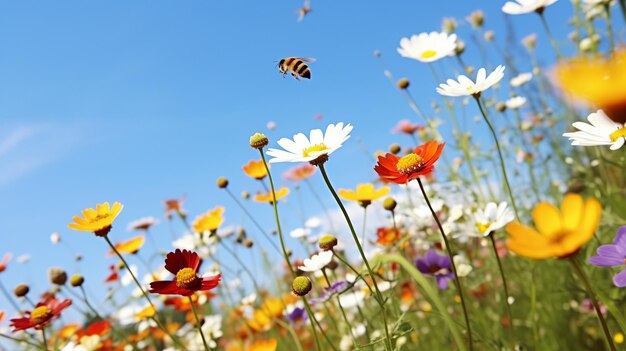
146 100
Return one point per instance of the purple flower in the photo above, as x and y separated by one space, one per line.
436 265
337 287
611 255
297 316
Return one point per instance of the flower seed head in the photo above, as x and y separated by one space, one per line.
21 290
301 286
501 107
57 276
77 280
395 149
390 204
328 242
403 83
248 243
222 182
258 141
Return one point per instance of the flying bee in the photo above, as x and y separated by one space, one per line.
296 66
304 10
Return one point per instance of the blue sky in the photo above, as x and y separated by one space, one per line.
141 101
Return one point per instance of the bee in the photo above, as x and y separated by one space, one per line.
304 10
296 66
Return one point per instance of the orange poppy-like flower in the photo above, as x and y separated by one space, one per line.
268 198
100 328
130 246
598 81
2 314
255 169
420 162
98 220
209 221
407 127
184 265
560 232
300 172
263 345
174 206
43 314
5 261
364 194
68 331
387 236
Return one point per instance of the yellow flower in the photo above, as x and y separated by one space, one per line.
364 194
267 197
255 169
209 221
263 345
599 81
131 246
98 221
559 233
147 312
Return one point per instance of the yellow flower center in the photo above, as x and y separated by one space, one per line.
186 278
409 163
40 314
314 148
620 133
482 227
428 54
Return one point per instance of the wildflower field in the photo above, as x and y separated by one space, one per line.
494 220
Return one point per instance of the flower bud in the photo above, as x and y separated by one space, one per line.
403 83
460 47
390 204
500 107
245 195
476 19
301 286
489 35
258 141
77 280
327 242
222 182
395 149
21 290
57 276
248 243
449 24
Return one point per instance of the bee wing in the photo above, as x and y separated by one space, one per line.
307 59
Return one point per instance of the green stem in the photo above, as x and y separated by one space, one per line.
622 5
345 317
549 34
379 296
364 225
45 340
198 324
609 27
506 289
156 313
592 296
16 340
502 165
452 264
9 298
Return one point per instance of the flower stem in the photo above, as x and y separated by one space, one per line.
16 340
9 298
156 314
45 340
452 264
609 27
502 164
622 5
364 225
506 289
345 317
379 296
550 37
592 295
195 314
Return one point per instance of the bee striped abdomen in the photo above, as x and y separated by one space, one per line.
296 66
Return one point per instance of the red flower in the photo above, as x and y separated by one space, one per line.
420 162
184 265
43 314
113 276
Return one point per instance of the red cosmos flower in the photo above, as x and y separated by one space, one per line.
420 162
407 127
43 314
184 265
113 276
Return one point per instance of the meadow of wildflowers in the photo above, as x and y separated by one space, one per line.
512 238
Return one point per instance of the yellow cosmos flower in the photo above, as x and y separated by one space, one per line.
267 197
263 345
598 81
364 194
560 232
210 221
145 313
255 169
130 246
98 221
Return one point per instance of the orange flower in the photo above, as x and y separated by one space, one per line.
174 206
263 345
387 236
401 170
209 221
100 328
255 169
598 81
130 246
267 197
68 331
560 232
5 261
407 127
300 172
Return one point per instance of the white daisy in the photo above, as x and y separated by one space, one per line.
493 217
521 7
303 149
464 86
595 8
317 262
515 102
299 233
601 131
521 79
428 47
